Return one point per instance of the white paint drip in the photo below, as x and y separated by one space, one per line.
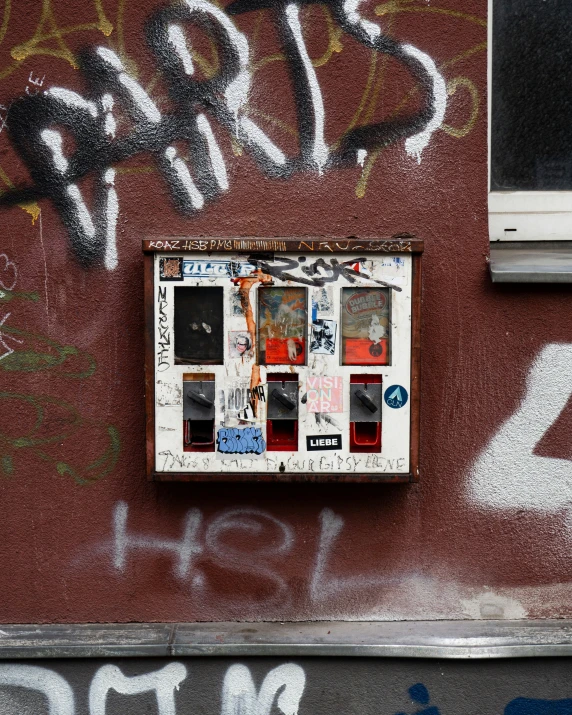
414 145
110 123
350 7
255 135
215 154
184 177
184 550
41 228
177 39
54 141
112 200
320 150
81 209
111 215
236 94
164 682
72 99
140 97
56 689
507 475
107 102
239 696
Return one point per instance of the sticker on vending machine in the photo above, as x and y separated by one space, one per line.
325 394
323 338
282 321
239 343
365 329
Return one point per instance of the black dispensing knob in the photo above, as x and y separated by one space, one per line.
366 400
199 398
283 398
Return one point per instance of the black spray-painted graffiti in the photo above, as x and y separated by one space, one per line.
248 440
164 342
35 123
317 272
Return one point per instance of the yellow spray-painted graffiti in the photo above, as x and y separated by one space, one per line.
47 39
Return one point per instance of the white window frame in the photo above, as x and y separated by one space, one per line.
523 215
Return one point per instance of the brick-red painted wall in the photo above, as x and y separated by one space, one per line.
84 536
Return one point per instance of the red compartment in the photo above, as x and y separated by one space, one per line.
281 435
365 436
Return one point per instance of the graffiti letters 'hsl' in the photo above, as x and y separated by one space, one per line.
35 122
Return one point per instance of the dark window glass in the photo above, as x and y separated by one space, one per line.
199 326
531 129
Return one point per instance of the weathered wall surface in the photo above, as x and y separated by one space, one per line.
261 686
327 120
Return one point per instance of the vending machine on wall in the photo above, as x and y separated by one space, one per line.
282 359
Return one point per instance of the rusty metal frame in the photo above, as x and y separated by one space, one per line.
402 243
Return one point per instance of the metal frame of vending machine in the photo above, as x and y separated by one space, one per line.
271 359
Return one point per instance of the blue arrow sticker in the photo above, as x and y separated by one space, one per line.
395 396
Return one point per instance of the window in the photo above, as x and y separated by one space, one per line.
530 143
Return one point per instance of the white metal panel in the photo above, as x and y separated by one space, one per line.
530 215
394 456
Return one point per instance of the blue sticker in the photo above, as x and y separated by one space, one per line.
395 396
314 310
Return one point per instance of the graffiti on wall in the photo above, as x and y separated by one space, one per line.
419 695
510 473
271 540
46 423
283 685
169 691
39 122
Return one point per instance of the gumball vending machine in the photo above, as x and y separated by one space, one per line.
282 359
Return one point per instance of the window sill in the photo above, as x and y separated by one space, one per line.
531 262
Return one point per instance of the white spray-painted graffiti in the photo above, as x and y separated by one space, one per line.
8 280
35 123
53 686
283 685
271 540
507 474
239 696
164 682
